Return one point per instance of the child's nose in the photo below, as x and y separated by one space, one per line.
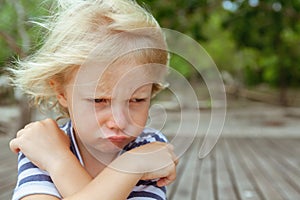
118 120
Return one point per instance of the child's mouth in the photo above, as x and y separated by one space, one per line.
117 139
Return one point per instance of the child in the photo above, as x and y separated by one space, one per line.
100 65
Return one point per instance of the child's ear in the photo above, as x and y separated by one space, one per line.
60 94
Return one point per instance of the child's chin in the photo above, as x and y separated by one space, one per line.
112 149
109 148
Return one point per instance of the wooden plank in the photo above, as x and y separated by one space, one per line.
264 163
8 169
291 158
288 183
288 144
244 182
6 195
7 190
290 148
202 179
173 189
263 181
185 185
285 146
279 181
9 177
224 184
204 182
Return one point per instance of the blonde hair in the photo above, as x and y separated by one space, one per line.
73 31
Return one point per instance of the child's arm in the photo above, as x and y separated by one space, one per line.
113 184
48 147
49 140
116 184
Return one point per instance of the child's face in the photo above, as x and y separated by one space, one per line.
110 113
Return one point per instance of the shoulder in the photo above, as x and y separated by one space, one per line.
148 135
32 180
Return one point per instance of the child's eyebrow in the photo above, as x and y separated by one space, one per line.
97 95
91 92
141 91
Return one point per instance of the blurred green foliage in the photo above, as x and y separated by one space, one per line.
256 41
16 25
270 29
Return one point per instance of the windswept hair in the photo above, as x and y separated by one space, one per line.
73 30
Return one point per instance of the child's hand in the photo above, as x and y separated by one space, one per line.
155 161
43 143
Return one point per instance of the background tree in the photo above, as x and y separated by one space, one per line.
18 36
256 41
269 32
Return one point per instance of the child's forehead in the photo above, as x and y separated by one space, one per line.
120 74
110 89
112 69
129 71
122 90
124 76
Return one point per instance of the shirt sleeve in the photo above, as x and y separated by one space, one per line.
32 180
148 135
147 190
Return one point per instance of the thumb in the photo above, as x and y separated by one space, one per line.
14 145
168 179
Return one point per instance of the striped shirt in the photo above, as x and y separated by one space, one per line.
32 180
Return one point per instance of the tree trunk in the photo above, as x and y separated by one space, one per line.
283 86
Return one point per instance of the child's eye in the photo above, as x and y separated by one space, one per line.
101 101
136 100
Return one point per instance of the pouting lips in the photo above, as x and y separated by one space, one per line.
119 138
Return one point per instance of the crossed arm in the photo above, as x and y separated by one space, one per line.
37 140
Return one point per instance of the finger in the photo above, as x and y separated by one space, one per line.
19 133
163 182
167 180
169 177
49 121
28 125
175 158
14 145
176 161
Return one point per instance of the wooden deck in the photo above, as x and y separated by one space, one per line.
237 169
8 169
